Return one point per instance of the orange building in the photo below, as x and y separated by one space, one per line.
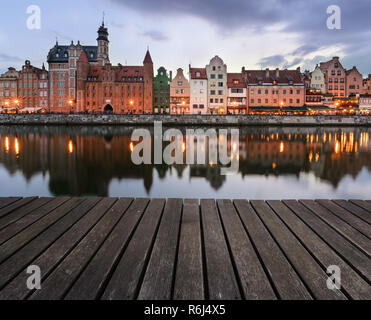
274 88
33 87
83 80
180 94
335 77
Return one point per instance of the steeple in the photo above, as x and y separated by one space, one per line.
148 58
103 45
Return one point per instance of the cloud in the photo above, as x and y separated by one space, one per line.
303 19
272 61
7 58
155 35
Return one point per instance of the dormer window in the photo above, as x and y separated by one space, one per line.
236 82
198 74
57 55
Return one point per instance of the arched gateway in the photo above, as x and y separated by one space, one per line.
108 109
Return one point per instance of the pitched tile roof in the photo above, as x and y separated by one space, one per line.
236 80
194 72
284 76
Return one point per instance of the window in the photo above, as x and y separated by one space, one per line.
220 84
212 76
212 92
180 83
220 92
220 76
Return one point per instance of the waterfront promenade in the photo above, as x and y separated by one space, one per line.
186 120
123 249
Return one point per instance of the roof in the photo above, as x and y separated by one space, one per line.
59 54
284 77
195 71
148 58
236 80
120 72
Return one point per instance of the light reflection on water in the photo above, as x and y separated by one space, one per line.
275 163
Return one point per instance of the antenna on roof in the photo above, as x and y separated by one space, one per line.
103 18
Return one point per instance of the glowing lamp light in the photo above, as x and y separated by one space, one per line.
184 147
70 102
282 147
6 103
131 147
131 102
16 101
16 146
6 144
70 147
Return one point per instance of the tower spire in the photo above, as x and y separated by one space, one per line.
103 19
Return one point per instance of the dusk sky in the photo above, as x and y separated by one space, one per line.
255 33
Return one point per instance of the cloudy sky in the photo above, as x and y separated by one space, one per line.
252 33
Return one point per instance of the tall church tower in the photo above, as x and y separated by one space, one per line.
103 45
148 83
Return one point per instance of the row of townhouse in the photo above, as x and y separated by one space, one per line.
81 79
212 90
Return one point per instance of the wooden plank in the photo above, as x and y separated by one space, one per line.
254 282
286 281
312 274
158 279
16 289
347 216
14 206
23 211
356 210
366 205
221 279
71 212
7 201
58 283
189 280
354 285
125 281
15 228
126 278
344 248
347 231
21 239
93 279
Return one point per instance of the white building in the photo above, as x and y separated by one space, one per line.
198 90
216 73
318 81
365 103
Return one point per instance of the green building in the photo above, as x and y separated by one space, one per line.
161 91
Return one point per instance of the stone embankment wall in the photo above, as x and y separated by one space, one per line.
183 120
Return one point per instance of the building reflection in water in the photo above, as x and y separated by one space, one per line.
84 161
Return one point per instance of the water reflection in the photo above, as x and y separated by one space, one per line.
274 163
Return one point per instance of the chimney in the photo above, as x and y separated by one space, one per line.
243 69
267 73
277 73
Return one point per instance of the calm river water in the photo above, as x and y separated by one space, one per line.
275 163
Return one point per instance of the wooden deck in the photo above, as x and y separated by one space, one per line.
124 249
